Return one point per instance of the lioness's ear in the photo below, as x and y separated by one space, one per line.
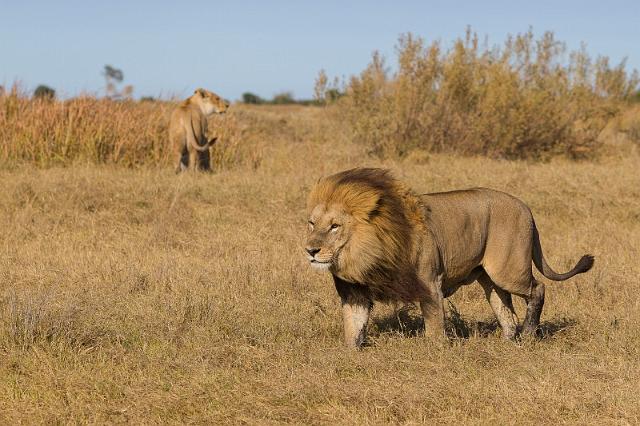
199 91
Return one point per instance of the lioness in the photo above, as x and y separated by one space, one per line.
188 129
383 242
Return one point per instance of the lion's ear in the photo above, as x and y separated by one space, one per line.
367 206
375 209
199 91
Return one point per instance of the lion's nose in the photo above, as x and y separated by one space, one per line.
312 251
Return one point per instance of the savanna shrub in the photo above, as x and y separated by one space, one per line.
522 100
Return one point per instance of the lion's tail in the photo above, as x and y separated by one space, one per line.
584 264
192 139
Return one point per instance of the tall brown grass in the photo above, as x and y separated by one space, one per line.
102 131
522 100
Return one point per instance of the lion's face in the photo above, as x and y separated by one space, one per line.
210 103
329 231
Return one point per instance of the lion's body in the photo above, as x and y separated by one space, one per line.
383 242
482 228
188 129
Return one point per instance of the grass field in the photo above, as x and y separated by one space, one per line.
135 295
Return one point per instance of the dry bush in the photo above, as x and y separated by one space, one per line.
522 100
102 131
624 128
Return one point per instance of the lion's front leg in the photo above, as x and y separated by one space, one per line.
355 318
356 306
433 310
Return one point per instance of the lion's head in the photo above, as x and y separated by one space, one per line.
360 221
209 102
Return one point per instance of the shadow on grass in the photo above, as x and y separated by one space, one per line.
407 321
556 326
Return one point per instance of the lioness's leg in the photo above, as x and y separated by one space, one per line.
204 160
535 302
502 306
193 160
356 306
183 159
433 311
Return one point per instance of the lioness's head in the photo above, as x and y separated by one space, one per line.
209 102
357 220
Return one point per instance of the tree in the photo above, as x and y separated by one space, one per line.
44 92
283 98
332 95
325 92
113 77
320 87
250 98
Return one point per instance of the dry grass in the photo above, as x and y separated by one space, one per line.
133 295
87 130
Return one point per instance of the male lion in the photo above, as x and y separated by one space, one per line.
188 129
383 242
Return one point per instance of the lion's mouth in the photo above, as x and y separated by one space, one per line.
320 264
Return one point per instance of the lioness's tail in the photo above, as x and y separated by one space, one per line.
584 264
192 139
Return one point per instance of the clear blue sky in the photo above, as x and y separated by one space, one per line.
233 46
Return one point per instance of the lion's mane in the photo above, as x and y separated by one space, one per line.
382 250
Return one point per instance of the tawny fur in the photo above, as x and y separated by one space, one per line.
188 129
383 242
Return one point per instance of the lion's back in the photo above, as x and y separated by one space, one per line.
480 226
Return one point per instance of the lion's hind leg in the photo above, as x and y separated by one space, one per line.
193 160
535 302
502 306
204 161
183 162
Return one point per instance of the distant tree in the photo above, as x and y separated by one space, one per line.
320 87
126 92
44 92
283 98
147 99
113 77
250 98
113 73
332 95
325 92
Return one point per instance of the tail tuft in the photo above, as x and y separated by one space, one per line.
585 263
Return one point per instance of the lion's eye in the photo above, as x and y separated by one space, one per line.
333 227
311 224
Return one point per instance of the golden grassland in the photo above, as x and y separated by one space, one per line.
130 294
87 130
